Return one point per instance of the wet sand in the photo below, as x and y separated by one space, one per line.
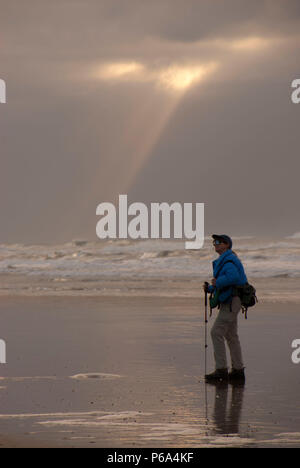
128 372
275 289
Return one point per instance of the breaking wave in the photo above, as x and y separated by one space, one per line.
80 264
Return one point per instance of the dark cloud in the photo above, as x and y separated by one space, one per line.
68 142
80 29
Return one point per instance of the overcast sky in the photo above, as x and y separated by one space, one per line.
165 100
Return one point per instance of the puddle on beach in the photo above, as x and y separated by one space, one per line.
95 375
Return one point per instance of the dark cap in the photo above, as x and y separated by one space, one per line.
223 238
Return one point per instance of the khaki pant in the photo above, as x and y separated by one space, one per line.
226 328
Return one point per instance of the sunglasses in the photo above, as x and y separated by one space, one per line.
218 242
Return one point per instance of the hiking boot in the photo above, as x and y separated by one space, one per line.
219 375
237 375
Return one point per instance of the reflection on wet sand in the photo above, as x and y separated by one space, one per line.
227 417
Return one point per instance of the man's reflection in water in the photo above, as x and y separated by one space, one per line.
227 419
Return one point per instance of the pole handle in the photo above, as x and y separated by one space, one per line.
206 292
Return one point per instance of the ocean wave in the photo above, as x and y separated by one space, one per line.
296 235
89 261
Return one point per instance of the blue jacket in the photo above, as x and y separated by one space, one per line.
228 271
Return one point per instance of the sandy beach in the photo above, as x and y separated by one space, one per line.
148 147
128 372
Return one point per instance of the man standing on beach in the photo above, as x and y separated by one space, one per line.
228 272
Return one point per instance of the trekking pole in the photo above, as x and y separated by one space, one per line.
206 322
